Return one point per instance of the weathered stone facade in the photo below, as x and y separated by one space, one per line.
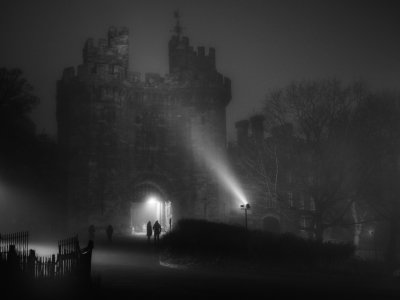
269 177
125 137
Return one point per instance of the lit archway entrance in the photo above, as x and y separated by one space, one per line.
149 203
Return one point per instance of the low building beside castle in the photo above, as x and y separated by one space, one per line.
269 177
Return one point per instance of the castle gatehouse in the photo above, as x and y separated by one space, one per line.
130 143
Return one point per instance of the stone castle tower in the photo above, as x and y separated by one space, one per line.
125 138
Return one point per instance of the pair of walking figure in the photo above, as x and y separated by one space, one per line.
157 230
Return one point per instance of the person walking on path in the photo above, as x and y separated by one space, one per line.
157 231
149 231
109 232
91 232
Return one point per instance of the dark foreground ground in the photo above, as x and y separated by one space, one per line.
130 268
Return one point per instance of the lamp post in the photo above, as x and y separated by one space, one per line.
245 207
372 235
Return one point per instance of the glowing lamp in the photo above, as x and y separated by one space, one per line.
245 206
152 200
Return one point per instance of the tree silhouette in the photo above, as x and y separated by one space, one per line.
378 136
28 162
17 130
321 113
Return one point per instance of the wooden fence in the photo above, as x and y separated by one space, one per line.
70 261
68 256
19 240
17 245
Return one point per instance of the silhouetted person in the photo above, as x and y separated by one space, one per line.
92 230
109 232
149 231
85 265
31 263
157 231
13 267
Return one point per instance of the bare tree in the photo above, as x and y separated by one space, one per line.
16 98
378 136
17 130
321 113
266 160
259 160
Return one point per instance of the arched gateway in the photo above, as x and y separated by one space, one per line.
150 201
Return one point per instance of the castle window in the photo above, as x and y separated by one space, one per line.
162 122
301 203
111 116
172 138
271 202
312 204
290 199
289 177
162 137
303 222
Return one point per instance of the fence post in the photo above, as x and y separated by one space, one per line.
84 263
58 266
53 263
31 263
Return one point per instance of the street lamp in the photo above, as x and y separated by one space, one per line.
372 235
245 207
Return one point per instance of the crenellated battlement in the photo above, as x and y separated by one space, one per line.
105 61
118 36
136 79
183 57
109 55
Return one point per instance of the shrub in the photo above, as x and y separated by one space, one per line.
204 239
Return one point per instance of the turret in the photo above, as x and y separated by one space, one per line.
257 127
242 132
118 42
183 58
109 56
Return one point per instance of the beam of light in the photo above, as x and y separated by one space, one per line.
224 175
218 165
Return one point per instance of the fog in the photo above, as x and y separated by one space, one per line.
25 208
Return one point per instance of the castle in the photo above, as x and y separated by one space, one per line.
125 138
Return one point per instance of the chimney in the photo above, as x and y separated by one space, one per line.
242 132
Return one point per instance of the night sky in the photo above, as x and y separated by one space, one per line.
259 44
